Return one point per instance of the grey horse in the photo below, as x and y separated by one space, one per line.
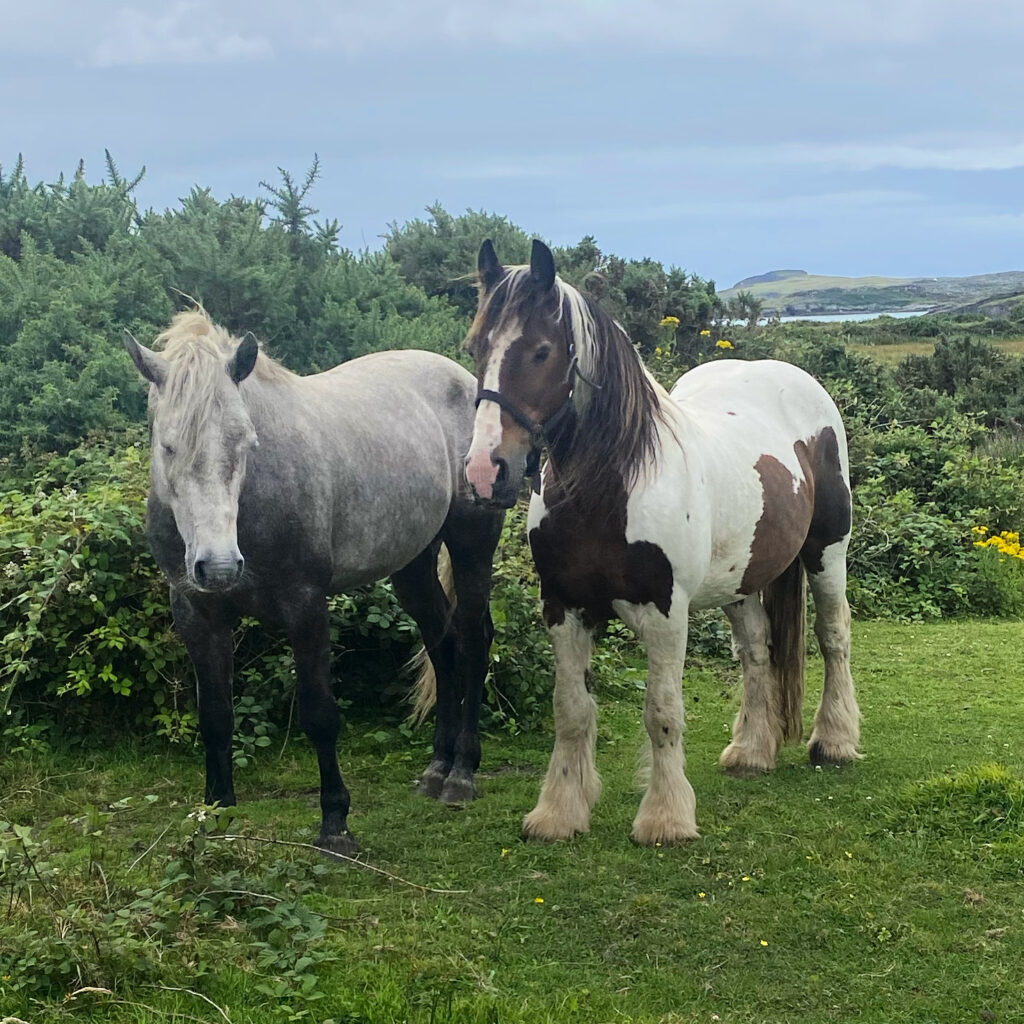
269 491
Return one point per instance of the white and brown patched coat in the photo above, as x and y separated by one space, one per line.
724 493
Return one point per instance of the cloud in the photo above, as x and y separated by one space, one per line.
1011 224
962 154
662 26
114 33
865 156
818 207
182 34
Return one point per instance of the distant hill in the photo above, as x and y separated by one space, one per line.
772 275
998 306
794 292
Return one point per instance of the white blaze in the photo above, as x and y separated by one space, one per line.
481 471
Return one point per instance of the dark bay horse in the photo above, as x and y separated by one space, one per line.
270 491
728 492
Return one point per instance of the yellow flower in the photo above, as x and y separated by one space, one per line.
705 334
669 321
724 343
505 851
539 899
763 943
1006 543
746 878
979 529
657 351
701 895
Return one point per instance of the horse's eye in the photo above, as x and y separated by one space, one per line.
168 450
541 354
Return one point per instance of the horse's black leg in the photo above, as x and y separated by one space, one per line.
422 596
309 634
208 640
471 536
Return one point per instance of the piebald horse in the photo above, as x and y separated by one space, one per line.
725 492
269 491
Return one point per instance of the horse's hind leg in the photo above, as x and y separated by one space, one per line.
420 593
757 730
836 733
572 785
471 535
306 618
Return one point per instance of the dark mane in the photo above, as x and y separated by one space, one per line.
615 429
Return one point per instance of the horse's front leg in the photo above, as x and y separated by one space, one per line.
420 593
309 634
471 545
667 811
572 784
209 645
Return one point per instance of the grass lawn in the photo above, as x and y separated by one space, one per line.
890 355
891 890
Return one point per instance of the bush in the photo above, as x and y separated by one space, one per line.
85 608
87 644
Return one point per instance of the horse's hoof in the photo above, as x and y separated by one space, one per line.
743 771
740 764
822 755
663 833
430 784
541 824
341 845
458 789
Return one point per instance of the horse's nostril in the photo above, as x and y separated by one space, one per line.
502 470
239 566
200 572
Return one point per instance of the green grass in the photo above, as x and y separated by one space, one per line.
890 890
890 355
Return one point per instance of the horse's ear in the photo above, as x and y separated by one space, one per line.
487 265
150 364
542 265
244 359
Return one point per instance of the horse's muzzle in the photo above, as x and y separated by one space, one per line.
493 484
210 573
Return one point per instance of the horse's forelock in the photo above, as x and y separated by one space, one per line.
616 423
514 299
197 351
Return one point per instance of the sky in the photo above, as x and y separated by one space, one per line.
730 137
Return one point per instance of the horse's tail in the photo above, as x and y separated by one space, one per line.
785 601
423 694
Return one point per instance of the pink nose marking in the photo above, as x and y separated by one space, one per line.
481 473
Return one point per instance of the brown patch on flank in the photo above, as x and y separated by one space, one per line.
803 520
585 562
785 520
832 516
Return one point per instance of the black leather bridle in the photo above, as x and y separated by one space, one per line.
541 432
